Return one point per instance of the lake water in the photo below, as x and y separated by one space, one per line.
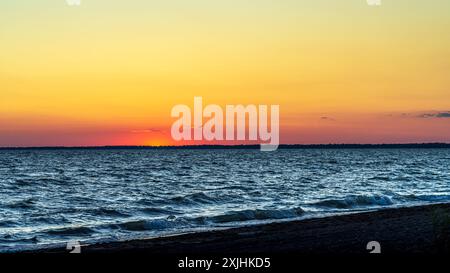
52 196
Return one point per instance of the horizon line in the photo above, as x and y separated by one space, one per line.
243 146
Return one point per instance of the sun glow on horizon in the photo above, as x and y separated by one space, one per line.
158 143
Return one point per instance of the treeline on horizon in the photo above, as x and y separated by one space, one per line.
283 146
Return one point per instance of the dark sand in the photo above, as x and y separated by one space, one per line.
421 229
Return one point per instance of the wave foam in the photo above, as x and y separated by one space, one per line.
355 201
258 214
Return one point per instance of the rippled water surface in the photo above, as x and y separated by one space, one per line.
52 196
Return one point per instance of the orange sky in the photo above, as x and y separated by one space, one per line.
109 72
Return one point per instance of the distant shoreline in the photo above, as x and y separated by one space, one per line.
249 147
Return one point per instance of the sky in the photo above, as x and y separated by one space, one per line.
108 72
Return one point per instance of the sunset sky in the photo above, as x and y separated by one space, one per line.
109 71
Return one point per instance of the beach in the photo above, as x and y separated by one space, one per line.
412 230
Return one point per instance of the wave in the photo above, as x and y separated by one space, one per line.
184 222
156 211
22 204
24 182
8 223
428 197
145 225
109 212
380 178
194 198
353 201
257 214
69 231
27 240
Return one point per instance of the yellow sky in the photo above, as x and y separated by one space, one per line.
89 75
